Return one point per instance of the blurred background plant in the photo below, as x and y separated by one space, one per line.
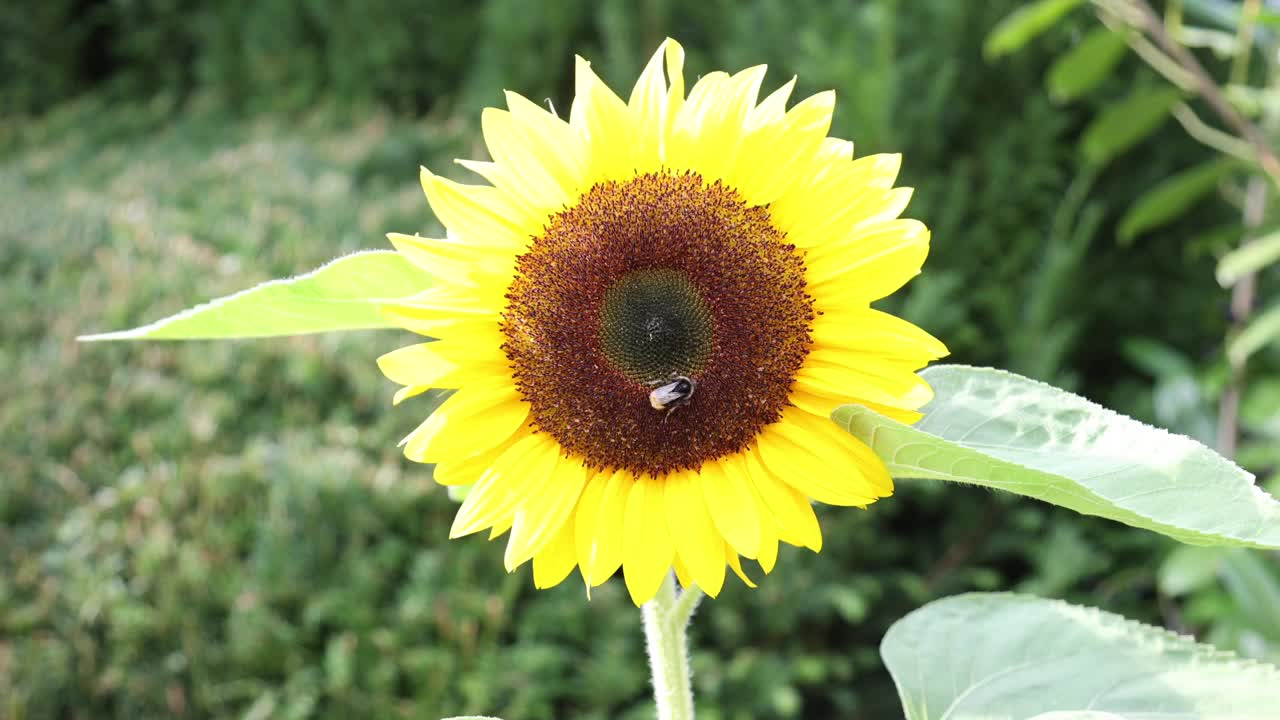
1230 104
227 530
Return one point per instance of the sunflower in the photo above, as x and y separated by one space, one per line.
647 314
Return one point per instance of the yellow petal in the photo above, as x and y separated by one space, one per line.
823 405
889 373
836 195
872 171
733 507
499 528
454 261
675 93
443 322
501 176
407 392
415 365
469 470
736 564
443 364
851 206
774 156
556 561
873 212
875 333
530 166
647 548
482 331
549 507
480 215
816 457
476 418
789 508
905 391
868 264
440 310
768 547
649 106
682 573
605 124
559 147
598 524
483 301
833 149
709 130
698 545
772 110
461 327
505 484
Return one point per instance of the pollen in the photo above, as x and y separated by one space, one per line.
642 282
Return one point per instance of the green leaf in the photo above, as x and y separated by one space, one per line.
1224 45
997 656
1249 100
1172 197
1248 258
1189 568
1214 242
342 295
1022 25
1260 332
1253 584
1086 65
1260 406
1003 431
1156 358
1125 123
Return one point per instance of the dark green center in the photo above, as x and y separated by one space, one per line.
655 325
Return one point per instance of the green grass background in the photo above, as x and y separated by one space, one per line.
227 530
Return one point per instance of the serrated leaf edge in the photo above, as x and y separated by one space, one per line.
1178 532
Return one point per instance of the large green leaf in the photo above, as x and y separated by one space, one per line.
1022 25
342 295
1086 65
1172 197
1248 258
997 656
1127 122
999 430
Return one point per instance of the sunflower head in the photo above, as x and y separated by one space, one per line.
647 313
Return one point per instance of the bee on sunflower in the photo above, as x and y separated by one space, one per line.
647 315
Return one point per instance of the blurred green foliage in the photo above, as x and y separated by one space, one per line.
227 529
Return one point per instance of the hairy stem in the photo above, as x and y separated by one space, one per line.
666 624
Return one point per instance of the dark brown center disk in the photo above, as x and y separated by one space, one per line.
644 281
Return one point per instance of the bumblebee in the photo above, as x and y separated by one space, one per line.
674 393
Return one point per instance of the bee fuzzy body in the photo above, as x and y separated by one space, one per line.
673 393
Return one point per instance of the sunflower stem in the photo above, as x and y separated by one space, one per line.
666 624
